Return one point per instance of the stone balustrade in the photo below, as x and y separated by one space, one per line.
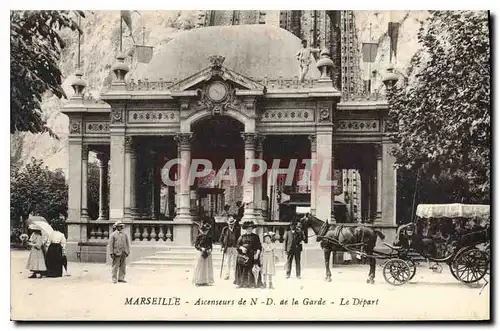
157 232
271 84
98 231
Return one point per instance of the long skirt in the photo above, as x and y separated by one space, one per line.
244 276
54 259
36 261
204 271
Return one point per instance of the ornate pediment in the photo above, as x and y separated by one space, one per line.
217 71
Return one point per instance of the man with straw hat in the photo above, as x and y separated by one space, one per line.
228 238
119 249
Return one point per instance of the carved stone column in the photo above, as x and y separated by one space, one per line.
259 180
154 185
103 186
128 162
388 185
250 139
314 174
75 181
324 154
182 230
133 183
85 160
184 144
378 156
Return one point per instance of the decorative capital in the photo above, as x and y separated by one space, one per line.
75 127
129 144
85 152
312 139
216 61
184 140
324 115
260 143
103 160
116 116
250 139
378 151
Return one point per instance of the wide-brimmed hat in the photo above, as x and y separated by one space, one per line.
205 227
268 234
248 225
118 224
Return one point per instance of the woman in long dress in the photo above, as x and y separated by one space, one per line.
204 271
55 254
249 248
36 259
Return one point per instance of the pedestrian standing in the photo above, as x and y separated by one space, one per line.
36 259
293 248
204 270
119 249
55 254
268 260
229 237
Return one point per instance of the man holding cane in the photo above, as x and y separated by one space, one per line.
228 238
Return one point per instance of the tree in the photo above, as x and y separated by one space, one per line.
35 46
441 119
37 190
93 190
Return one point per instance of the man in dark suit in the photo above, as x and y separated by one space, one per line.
293 248
241 210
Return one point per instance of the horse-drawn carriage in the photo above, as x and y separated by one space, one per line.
439 235
446 233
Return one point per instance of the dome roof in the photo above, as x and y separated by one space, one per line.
256 51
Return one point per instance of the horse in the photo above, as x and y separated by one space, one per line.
334 237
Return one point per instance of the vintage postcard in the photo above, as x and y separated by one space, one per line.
287 165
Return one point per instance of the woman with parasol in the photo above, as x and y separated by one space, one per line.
36 259
204 272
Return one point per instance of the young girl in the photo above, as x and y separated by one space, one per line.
268 260
36 259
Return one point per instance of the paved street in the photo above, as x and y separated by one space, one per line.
89 294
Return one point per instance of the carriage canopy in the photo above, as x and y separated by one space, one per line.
453 210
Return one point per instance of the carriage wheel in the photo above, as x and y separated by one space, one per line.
470 266
397 272
413 268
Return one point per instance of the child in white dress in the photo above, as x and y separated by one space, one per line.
268 260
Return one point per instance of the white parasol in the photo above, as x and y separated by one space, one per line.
41 223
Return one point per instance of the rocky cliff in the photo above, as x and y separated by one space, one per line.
100 44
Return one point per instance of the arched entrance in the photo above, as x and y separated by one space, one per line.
217 139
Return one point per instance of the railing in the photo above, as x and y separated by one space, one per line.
364 96
158 232
278 84
98 231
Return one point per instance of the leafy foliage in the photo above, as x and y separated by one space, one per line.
36 47
93 190
441 119
39 191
